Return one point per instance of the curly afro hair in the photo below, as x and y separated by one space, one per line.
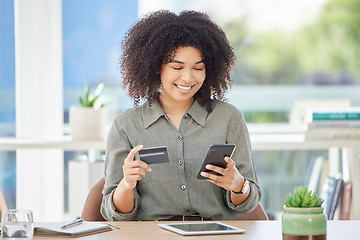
153 40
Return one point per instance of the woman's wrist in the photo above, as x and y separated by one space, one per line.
237 182
237 187
244 187
125 185
123 197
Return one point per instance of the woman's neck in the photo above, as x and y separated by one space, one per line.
174 108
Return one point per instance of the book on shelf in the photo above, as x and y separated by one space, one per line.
327 123
314 173
331 193
83 229
332 133
336 116
323 175
333 124
333 114
346 200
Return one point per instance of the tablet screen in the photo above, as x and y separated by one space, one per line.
201 228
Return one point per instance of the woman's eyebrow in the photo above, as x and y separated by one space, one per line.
176 61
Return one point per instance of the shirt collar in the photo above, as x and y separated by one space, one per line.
198 113
152 113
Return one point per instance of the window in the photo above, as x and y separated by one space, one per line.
91 43
91 50
7 99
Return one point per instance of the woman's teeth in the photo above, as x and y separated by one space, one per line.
183 87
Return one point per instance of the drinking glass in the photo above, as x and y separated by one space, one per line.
17 223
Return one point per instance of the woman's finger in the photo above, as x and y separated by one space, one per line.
130 157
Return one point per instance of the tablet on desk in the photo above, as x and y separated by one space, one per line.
201 228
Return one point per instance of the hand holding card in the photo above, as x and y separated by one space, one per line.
154 155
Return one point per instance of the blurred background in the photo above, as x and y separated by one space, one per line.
287 51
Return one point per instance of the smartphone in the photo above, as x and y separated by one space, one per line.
215 156
154 155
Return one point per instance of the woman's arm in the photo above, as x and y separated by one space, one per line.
133 170
240 166
120 196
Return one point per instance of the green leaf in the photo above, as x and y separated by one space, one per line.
88 99
92 102
86 95
302 197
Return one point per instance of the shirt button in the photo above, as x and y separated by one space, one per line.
185 117
179 138
183 187
180 162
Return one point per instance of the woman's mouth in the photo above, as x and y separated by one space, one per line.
184 89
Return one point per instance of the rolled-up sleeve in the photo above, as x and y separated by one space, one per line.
238 134
117 149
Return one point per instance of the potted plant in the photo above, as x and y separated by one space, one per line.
88 121
303 216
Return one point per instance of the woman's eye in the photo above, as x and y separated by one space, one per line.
177 68
198 69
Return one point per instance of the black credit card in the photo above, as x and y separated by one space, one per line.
154 155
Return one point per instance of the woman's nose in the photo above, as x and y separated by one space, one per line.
186 75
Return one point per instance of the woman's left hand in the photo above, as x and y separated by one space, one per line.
231 179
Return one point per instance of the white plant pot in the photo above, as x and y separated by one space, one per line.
87 123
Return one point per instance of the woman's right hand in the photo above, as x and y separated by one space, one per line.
134 170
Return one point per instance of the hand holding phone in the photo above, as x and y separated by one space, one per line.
215 156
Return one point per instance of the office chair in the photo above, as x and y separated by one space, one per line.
3 205
257 214
91 210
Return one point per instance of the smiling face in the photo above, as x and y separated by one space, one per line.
182 76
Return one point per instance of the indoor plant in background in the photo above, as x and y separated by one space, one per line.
88 121
303 216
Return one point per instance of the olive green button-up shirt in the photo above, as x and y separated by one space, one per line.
172 188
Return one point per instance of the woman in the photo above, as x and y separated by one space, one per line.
180 65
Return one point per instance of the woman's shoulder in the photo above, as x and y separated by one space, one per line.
130 114
225 107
